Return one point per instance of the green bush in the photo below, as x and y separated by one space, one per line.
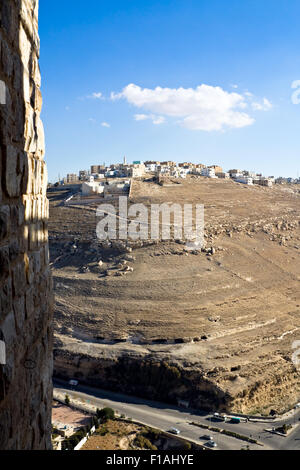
187 445
94 421
105 414
103 431
152 434
71 442
144 443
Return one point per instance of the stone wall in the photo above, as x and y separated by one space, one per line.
25 280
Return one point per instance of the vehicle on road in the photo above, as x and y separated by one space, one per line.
219 417
211 444
174 431
235 419
206 437
73 382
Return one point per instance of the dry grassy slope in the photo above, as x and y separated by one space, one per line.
233 315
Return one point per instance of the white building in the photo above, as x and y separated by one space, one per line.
90 188
208 172
182 172
266 182
244 180
151 167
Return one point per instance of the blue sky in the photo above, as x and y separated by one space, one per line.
205 81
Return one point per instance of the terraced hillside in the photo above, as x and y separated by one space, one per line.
213 327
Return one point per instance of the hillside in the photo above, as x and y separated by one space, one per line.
219 324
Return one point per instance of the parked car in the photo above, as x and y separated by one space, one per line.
174 431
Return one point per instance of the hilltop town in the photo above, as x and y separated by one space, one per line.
137 169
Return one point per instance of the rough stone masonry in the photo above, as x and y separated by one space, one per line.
25 280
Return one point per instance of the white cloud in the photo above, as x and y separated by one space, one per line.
205 107
94 96
212 121
105 124
97 95
155 119
265 105
140 117
158 119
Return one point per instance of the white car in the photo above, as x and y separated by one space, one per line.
174 431
73 382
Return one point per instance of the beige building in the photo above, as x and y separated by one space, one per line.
168 163
222 174
72 178
217 168
135 171
97 169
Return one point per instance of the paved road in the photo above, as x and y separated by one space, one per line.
163 416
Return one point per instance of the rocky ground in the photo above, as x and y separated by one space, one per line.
214 327
122 435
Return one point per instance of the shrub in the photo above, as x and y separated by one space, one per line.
144 443
94 421
152 434
284 428
71 442
102 431
105 414
187 445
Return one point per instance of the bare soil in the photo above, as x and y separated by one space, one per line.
232 313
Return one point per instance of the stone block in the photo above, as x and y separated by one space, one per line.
29 304
14 168
19 278
4 221
14 250
5 297
4 263
19 311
